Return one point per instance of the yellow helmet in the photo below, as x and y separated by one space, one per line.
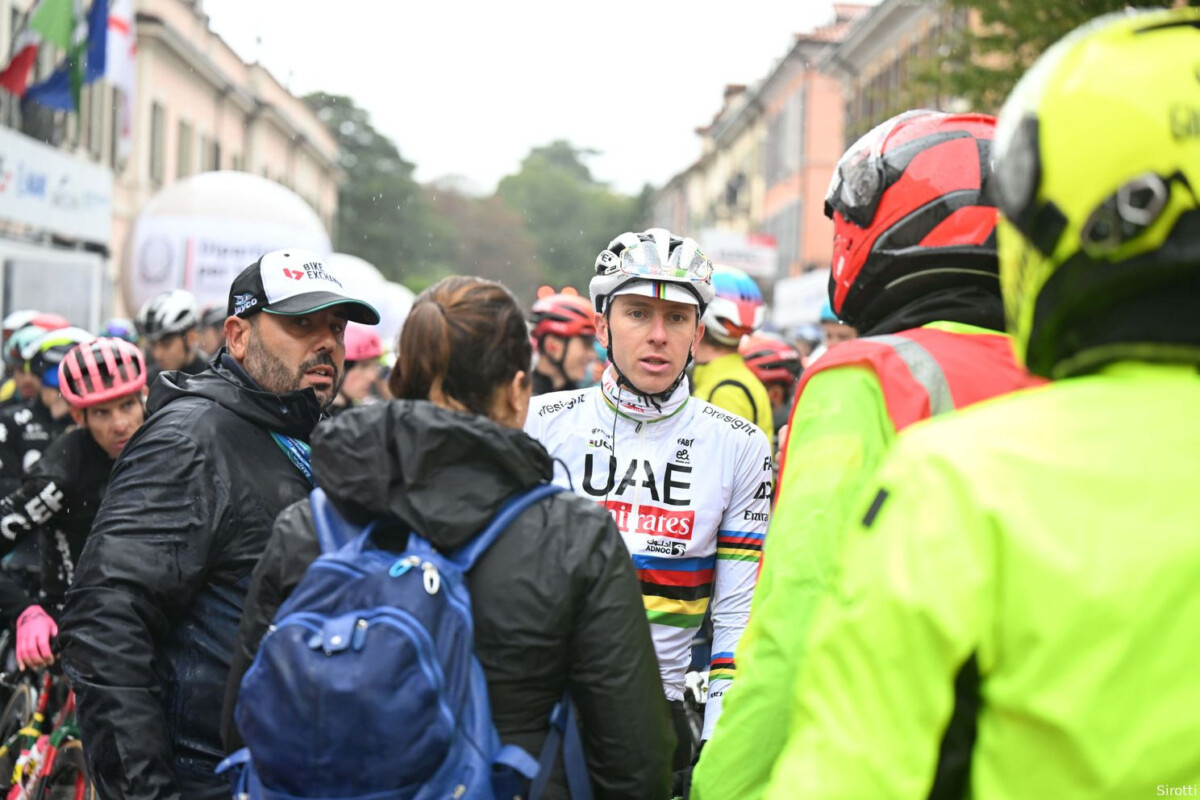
1097 177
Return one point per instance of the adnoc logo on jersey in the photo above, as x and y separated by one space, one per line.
652 520
666 548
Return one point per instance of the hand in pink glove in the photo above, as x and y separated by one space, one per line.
34 630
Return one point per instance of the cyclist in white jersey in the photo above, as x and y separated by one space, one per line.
688 484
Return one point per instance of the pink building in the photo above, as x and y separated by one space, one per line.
768 155
803 110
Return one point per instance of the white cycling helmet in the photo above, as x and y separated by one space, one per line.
655 263
168 313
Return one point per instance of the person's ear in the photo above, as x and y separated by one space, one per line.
191 339
698 337
602 329
77 415
517 395
237 337
555 347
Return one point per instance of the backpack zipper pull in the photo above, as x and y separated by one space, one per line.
360 634
403 565
432 579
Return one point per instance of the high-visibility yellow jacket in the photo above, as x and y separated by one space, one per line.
849 406
1043 548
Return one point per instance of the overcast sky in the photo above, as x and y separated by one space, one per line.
467 88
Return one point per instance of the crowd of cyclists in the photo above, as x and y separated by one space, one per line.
945 550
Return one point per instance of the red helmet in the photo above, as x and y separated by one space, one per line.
771 359
911 213
362 342
564 315
101 370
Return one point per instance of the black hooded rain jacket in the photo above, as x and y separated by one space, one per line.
556 600
150 620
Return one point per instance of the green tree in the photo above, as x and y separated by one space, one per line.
487 238
568 213
982 61
382 214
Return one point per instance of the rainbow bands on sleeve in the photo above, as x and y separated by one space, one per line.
739 545
675 591
722 668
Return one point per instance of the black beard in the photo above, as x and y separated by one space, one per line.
274 376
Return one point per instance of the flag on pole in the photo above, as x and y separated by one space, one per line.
84 62
15 77
42 21
55 21
120 68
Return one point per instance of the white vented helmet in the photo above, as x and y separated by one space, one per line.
168 313
653 256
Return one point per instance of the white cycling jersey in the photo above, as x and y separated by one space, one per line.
689 486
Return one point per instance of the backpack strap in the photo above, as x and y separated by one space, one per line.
564 730
333 531
469 553
745 389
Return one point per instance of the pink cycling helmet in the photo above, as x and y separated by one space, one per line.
101 370
362 342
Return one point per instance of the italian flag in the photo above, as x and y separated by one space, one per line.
49 20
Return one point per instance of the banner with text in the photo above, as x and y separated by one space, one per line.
753 253
54 191
798 300
203 254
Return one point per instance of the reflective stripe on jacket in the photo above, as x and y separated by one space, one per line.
932 370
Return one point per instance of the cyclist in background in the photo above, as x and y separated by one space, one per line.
212 328
778 365
564 331
833 332
363 350
20 387
26 430
721 376
120 328
169 323
103 381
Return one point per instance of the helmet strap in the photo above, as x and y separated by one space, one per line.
557 363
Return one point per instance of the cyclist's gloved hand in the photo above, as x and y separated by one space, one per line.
681 781
35 628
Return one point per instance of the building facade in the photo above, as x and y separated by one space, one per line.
198 108
804 117
879 59
767 158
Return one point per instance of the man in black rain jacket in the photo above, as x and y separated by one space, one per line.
150 620
556 599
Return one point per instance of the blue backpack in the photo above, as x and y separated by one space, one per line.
367 685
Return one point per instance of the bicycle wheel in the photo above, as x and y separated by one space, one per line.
16 715
67 779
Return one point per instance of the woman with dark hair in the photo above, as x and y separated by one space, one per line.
555 600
